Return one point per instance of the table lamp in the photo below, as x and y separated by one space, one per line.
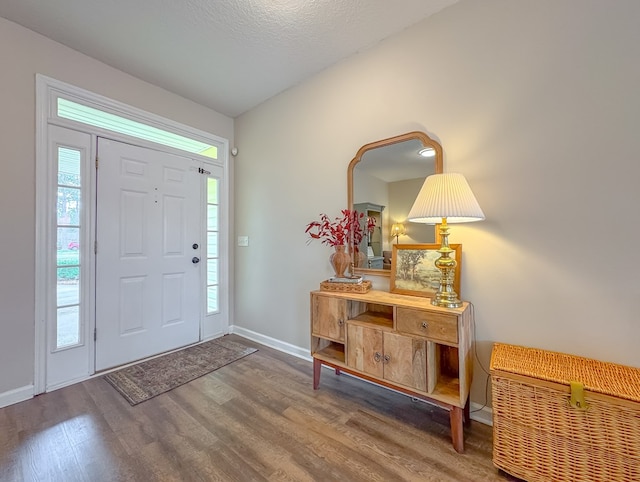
397 229
445 198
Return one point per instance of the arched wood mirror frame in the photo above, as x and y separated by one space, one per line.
418 137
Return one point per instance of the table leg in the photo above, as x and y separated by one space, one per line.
457 432
317 365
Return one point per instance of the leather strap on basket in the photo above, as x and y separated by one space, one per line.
577 396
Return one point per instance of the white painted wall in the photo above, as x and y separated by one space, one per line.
536 103
22 55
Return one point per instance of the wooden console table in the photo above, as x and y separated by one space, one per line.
400 342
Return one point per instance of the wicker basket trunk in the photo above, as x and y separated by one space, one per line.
542 430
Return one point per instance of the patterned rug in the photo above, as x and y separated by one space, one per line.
147 379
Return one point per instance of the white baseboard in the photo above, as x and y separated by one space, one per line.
17 395
478 413
481 414
279 345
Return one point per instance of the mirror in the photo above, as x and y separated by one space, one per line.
383 181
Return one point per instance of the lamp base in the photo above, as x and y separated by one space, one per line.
446 297
446 300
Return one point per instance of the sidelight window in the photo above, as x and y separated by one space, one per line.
213 255
68 247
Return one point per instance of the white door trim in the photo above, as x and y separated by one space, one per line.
47 92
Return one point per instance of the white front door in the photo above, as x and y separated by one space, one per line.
148 280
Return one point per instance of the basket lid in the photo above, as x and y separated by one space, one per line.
601 377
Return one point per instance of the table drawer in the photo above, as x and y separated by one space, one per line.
439 326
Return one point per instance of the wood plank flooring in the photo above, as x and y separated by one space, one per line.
257 419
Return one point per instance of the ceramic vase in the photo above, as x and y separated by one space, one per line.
358 259
340 261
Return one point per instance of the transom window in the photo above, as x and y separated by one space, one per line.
68 109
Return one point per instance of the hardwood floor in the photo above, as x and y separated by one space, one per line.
257 419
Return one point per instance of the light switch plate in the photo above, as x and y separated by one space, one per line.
243 240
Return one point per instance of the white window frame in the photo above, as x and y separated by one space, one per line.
48 90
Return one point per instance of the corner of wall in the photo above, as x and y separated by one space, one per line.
279 345
17 395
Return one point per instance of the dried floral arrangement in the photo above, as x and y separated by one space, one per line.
342 231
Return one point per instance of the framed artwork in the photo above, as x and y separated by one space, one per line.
413 269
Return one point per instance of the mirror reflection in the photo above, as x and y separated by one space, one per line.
383 181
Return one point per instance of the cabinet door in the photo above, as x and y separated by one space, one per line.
328 317
364 349
405 361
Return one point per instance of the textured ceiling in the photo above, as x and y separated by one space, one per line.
229 55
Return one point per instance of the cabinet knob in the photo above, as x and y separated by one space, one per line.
387 358
340 322
378 356
424 325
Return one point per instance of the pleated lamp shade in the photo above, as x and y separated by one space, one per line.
446 195
398 229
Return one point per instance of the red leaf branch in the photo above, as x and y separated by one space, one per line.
345 230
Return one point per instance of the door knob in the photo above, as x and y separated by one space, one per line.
195 246
195 260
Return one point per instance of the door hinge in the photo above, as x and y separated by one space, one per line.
95 334
95 247
96 163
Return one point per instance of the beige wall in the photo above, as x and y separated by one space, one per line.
536 103
22 55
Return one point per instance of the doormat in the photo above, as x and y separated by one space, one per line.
147 379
